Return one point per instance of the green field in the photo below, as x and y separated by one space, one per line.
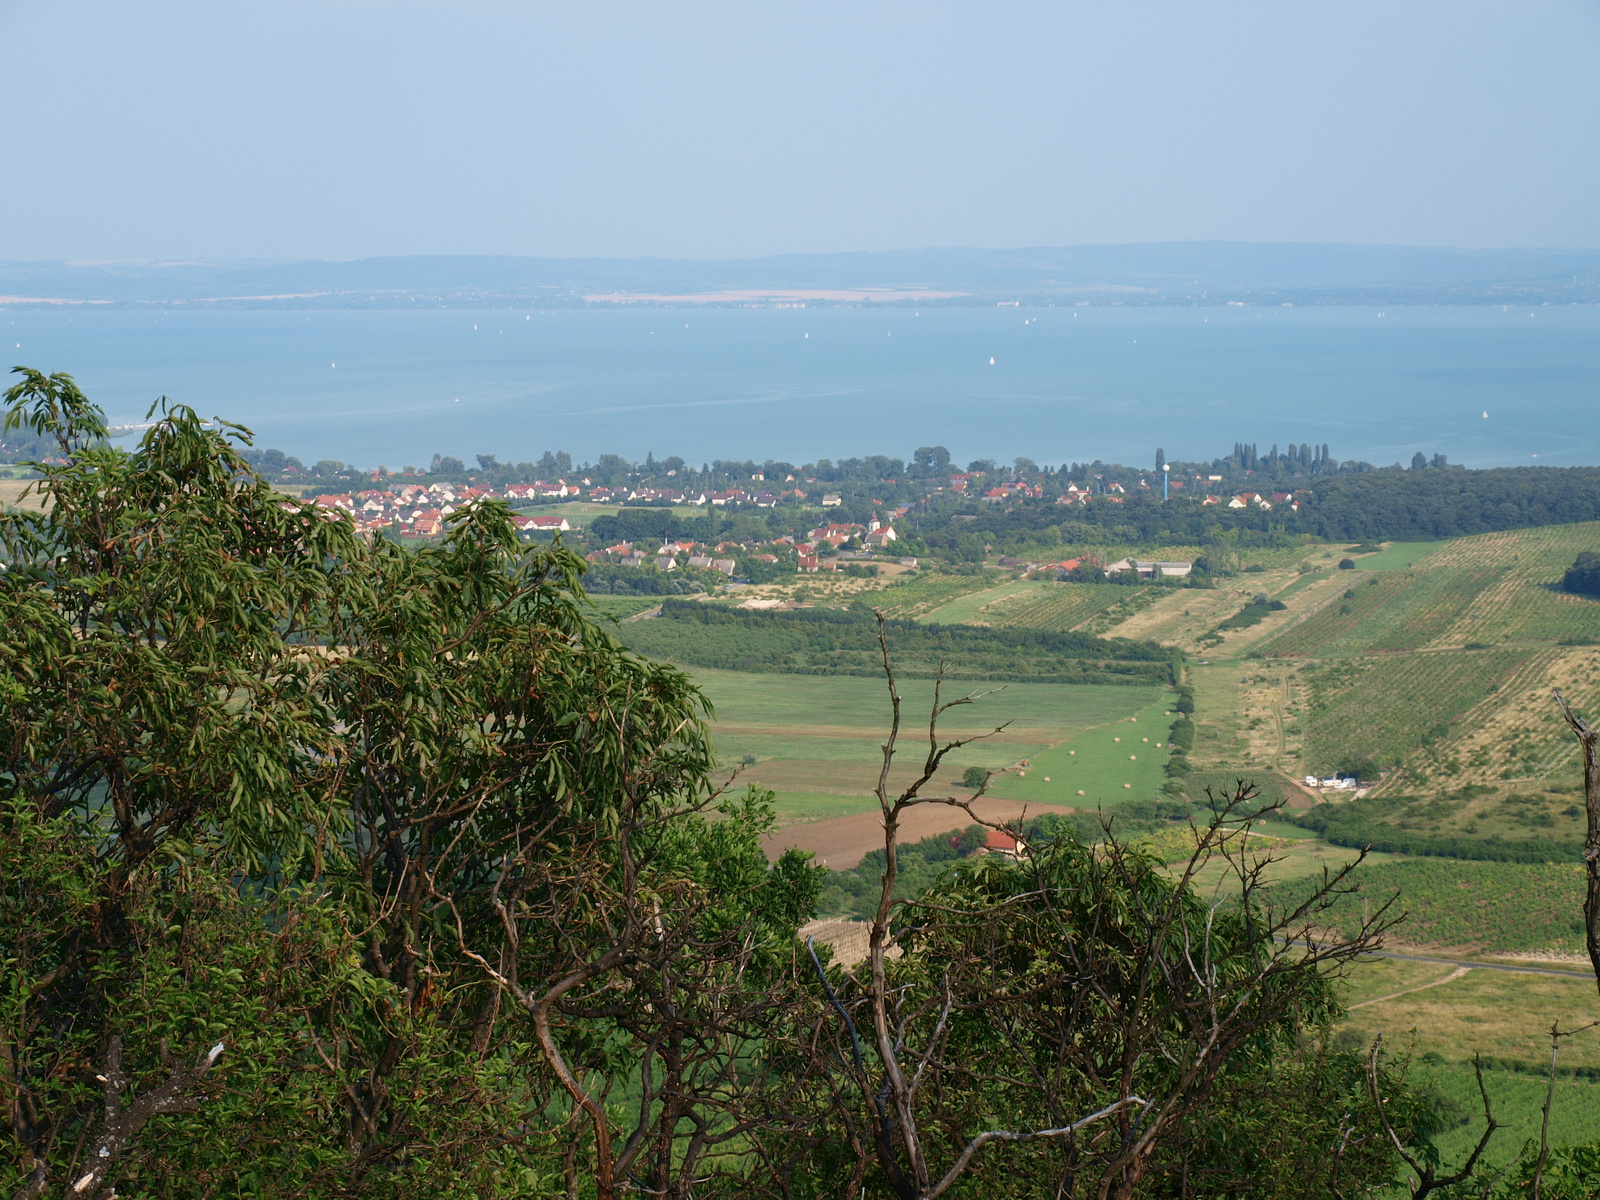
1517 1099
1390 610
1398 556
622 607
1500 1013
1108 764
971 608
1491 588
816 738
846 642
1524 603
915 598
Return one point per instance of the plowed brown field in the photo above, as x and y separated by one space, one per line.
840 842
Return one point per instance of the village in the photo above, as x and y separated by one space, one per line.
422 511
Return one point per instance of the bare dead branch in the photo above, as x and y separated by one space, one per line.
122 1123
1427 1180
1589 743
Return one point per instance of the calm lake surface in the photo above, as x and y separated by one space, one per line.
1068 384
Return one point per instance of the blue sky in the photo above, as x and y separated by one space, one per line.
348 128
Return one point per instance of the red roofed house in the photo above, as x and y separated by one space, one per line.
1005 844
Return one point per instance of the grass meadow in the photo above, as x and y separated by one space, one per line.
973 608
816 738
1398 556
1505 1014
620 608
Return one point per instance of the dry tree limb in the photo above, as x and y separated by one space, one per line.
1426 1179
1587 739
122 1124
1556 1034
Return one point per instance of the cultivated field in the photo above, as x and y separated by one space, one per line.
11 493
1057 607
1390 709
815 739
1473 908
979 607
1501 1013
917 598
839 842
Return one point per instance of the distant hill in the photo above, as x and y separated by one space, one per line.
1154 273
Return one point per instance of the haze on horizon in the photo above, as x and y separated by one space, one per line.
337 129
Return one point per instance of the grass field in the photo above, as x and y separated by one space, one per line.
1124 759
915 599
1517 1100
816 738
1499 1013
1398 556
11 493
621 607
971 609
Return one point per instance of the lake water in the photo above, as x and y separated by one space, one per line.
397 386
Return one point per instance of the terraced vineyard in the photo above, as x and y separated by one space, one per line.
1058 606
1378 706
1389 610
1476 907
1524 603
1522 740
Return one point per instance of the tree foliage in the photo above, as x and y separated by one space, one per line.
1583 576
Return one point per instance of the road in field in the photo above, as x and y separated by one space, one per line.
1475 965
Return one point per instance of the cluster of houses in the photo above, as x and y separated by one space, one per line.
1080 493
732 497
820 550
672 555
1255 500
873 537
420 510
416 511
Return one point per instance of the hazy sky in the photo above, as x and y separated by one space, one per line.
341 128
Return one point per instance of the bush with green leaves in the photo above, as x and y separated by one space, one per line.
334 868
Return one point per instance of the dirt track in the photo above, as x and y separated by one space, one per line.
840 842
